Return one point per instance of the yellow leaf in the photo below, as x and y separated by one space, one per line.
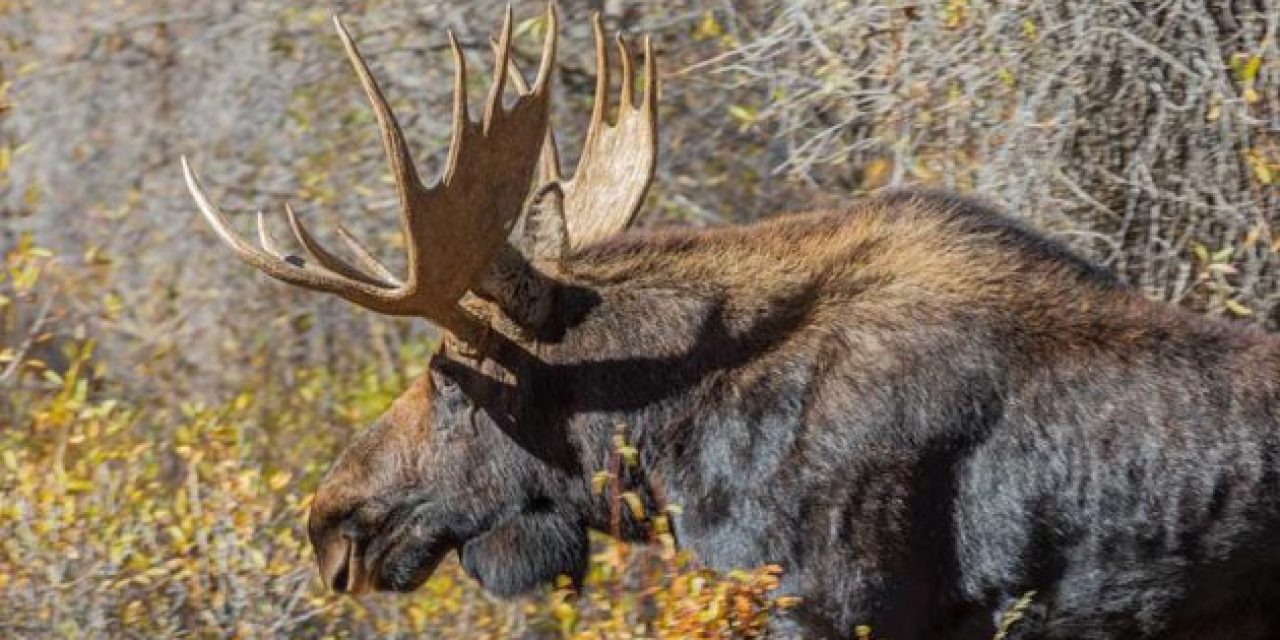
876 173
786 602
746 116
630 455
1263 173
1237 308
1006 76
708 27
598 482
1260 167
1201 253
532 27
31 195
634 504
279 479
660 524
1246 67
1029 29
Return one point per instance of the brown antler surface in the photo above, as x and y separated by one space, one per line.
454 229
618 159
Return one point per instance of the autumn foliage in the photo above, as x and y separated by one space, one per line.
125 519
165 414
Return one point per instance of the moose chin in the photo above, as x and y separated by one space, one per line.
919 408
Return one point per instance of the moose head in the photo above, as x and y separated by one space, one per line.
456 462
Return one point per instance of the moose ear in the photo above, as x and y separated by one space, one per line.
545 236
524 293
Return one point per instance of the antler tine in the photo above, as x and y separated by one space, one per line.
628 80
461 119
500 61
279 267
328 260
601 105
549 162
268 242
381 275
548 50
617 161
365 257
650 104
408 186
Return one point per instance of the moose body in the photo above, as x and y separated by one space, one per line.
923 411
920 410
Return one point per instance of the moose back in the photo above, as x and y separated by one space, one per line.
920 409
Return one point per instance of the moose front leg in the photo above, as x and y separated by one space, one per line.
526 551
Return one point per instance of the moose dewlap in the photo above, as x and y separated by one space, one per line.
920 409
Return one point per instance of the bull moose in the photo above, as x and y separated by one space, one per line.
921 409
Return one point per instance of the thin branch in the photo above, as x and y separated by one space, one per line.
9 376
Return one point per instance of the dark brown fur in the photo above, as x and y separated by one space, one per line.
919 408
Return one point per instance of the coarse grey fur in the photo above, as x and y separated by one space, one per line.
920 409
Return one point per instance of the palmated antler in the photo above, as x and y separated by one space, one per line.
454 230
618 159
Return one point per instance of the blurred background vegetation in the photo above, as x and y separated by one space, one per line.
165 411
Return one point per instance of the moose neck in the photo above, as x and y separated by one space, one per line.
631 360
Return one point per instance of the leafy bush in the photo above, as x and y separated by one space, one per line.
124 519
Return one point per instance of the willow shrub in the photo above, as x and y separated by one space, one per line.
125 520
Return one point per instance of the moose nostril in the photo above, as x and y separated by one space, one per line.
342 577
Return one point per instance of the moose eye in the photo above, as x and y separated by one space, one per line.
449 393
446 387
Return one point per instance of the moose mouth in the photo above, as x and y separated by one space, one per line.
401 562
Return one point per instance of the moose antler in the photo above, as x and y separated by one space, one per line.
618 160
455 229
